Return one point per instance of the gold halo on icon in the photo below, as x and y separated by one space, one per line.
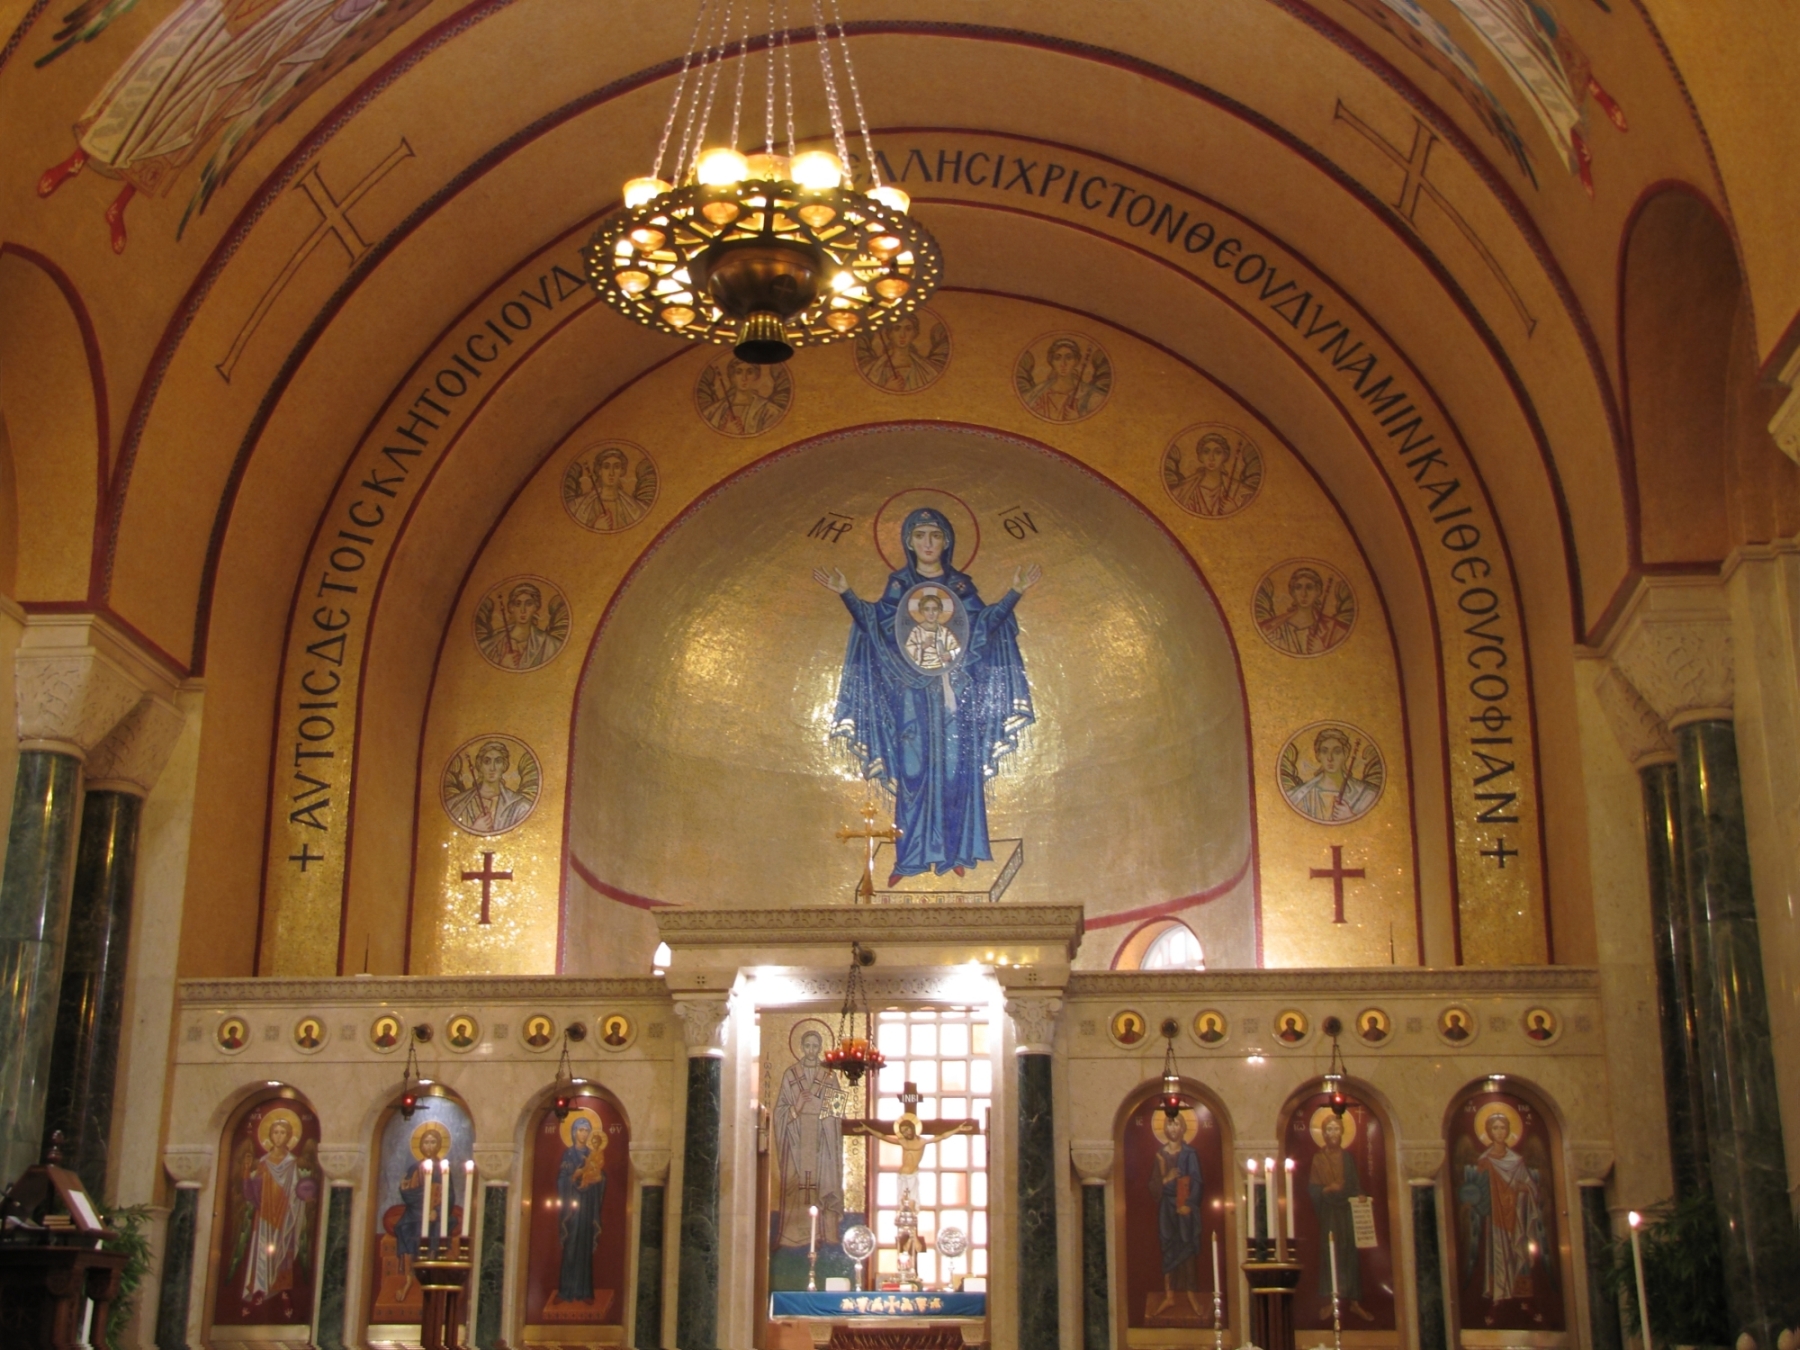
287 1117
1210 1022
1486 1111
1316 1127
566 1130
436 1127
827 1037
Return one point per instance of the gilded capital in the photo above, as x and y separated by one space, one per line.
1034 1021
1641 734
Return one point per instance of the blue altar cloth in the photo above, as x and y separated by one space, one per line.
876 1303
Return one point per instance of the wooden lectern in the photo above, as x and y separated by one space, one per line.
1272 1286
51 1264
444 1281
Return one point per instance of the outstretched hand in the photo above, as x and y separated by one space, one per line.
1025 578
832 580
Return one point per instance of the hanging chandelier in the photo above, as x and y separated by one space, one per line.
855 1053
768 251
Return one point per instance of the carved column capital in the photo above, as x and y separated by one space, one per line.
704 1022
1641 734
494 1163
68 701
1674 646
1593 1162
1093 1159
342 1162
1422 1163
1034 1021
189 1168
650 1162
132 756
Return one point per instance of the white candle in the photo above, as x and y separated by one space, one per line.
1269 1193
1332 1239
1250 1200
812 1248
425 1205
1216 1285
468 1194
444 1198
1637 1260
1290 1199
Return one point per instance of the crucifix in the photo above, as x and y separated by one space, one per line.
487 876
865 889
911 1136
1337 872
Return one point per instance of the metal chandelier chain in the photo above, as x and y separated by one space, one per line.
711 43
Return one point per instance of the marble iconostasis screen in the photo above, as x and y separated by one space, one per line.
268 1218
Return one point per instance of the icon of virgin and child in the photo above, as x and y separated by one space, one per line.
933 695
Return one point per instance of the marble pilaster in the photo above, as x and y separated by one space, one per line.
1428 1265
705 1021
647 1327
177 1269
34 913
1743 1119
334 1268
1093 1164
1040 1320
84 1056
490 1269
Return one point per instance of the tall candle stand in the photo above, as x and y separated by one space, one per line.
443 1273
1218 1319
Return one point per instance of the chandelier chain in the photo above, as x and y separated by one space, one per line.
787 75
716 60
862 122
701 40
821 39
737 101
694 130
662 146
769 90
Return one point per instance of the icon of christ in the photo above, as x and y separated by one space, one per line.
933 732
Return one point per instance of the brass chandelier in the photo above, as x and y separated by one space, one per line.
769 251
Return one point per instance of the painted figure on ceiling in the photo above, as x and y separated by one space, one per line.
933 735
895 358
740 399
596 494
214 69
1215 483
1075 385
516 634
1317 618
1337 791
1550 68
486 805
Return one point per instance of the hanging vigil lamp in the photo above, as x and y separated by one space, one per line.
1334 1071
772 250
855 1053
1172 1101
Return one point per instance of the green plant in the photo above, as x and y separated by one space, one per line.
131 1224
1684 1274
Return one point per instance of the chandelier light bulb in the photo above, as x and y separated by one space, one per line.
892 198
817 170
721 167
767 168
842 281
641 190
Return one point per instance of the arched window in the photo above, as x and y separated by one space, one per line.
1175 948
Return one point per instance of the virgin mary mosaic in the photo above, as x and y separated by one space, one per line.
933 694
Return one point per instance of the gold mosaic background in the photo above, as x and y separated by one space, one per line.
701 771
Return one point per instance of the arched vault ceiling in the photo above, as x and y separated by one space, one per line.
268 327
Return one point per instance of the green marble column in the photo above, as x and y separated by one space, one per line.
490 1275
1604 1329
1040 1315
1683 1095
647 1327
34 914
697 1275
1737 1065
84 1056
177 1277
1428 1267
334 1269
1096 1308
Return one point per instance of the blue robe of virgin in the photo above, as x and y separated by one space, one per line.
934 759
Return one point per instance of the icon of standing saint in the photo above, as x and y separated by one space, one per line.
933 691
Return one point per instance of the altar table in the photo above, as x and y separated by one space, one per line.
876 1303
